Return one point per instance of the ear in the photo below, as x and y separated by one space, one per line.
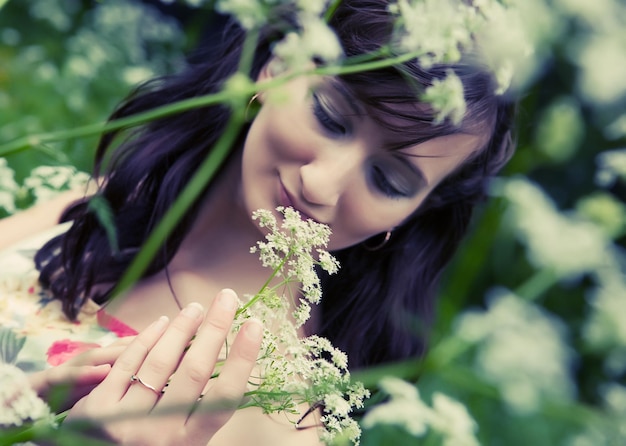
271 68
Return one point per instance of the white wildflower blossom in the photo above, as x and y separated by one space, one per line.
45 182
250 13
436 29
602 66
521 349
404 409
604 328
336 403
302 313
315 40
611 167
452 420
606 210
291 370
512 38
617 129
446 98
288 249
566 244
311 39
598 51
505 34
614 396
8 187
19 403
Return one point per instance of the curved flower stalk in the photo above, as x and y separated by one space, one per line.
291 370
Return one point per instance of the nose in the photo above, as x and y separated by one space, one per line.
326 177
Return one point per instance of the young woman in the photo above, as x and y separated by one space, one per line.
357 152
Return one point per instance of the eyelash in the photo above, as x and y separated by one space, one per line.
322 116
333 127
382 184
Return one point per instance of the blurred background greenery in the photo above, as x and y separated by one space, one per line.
67 63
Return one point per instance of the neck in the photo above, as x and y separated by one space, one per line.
222 234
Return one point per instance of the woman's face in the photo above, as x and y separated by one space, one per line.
313 148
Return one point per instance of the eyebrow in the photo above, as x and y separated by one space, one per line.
347 96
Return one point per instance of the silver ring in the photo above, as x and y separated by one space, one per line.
135 379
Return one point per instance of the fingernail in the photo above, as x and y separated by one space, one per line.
227 300
160 323
253 330
193 310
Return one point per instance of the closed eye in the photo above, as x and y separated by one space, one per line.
382 183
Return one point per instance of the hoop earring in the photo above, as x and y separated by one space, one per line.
380 245
250 106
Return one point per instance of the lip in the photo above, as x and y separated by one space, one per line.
287 200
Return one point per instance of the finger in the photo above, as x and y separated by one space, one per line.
224 396
197 366
115 385
97 356
164 357
88 375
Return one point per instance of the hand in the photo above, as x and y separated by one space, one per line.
136 412
77 377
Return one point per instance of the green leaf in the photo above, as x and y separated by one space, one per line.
100 206
10 345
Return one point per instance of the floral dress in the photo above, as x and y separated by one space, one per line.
34 332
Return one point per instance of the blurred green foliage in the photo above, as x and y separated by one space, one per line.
66 63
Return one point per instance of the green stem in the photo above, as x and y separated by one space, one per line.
363 63
408 370
171 218
25 142
537 284
330 11
247 51
367 66
257 296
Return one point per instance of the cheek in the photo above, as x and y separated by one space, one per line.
363 218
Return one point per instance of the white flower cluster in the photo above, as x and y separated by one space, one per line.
447 99
44 182
250 13
604 328
313 38
19 403
565 244
598 51
611 167
8 187
511 37
295 370
288 251
521 349
439 31
436 29
447 417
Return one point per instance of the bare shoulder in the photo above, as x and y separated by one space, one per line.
35 219
251 426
